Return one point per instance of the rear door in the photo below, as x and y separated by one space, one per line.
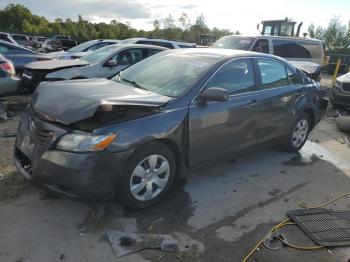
219 128
279 89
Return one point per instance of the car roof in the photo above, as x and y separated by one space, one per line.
279 37
219 52
126 46
135 39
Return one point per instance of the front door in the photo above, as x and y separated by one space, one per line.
219 128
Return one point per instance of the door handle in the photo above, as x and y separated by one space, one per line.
300 93
253 104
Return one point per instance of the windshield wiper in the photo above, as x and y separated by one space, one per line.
133 83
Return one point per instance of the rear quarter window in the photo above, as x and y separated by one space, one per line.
297 49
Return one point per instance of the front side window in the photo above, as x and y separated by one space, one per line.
261 46
293 78
273 74
236 77
131 56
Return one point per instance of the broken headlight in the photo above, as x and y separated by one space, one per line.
80 142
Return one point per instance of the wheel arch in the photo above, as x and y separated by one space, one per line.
311 113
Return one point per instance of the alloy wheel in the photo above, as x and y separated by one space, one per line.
300 133
150 177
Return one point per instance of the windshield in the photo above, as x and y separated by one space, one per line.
168 74
234 42
100 55
82 47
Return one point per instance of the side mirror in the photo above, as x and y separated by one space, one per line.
111 63
214 94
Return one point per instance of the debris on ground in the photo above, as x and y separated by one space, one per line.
124 243
8 133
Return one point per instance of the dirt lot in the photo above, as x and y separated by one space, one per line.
225 208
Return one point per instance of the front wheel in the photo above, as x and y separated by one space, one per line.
148 176
298 134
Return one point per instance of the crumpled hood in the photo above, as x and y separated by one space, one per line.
344 78
312 70
307 67
55 64
70 101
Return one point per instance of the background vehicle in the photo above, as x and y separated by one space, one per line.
37 41
171 44
340 93
171 112
290 48
102 63
82 49
57 43
9 82
20 55
21 39
7 38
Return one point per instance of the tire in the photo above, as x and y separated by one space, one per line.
143 178
292 144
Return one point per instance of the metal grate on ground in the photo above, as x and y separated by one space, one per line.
324 227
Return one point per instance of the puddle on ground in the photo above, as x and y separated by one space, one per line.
310 149
301 160
170 214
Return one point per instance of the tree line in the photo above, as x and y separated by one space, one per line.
16 18
335 35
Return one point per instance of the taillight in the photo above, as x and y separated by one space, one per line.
8 68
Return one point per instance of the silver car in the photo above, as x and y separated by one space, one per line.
83 49
102 63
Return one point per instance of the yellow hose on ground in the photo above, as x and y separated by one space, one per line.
288 222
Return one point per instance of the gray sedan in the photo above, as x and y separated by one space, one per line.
158 119
20 55
102 63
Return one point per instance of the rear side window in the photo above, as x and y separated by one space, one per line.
297 49
236 77
273 74
261 46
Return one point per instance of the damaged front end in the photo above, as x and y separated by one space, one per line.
108 114
59 144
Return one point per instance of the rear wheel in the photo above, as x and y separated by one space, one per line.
148 176
298 134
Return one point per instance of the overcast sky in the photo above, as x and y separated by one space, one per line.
234 15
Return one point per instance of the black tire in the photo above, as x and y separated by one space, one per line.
288 145
123 190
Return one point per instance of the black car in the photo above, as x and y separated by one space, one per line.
160 118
